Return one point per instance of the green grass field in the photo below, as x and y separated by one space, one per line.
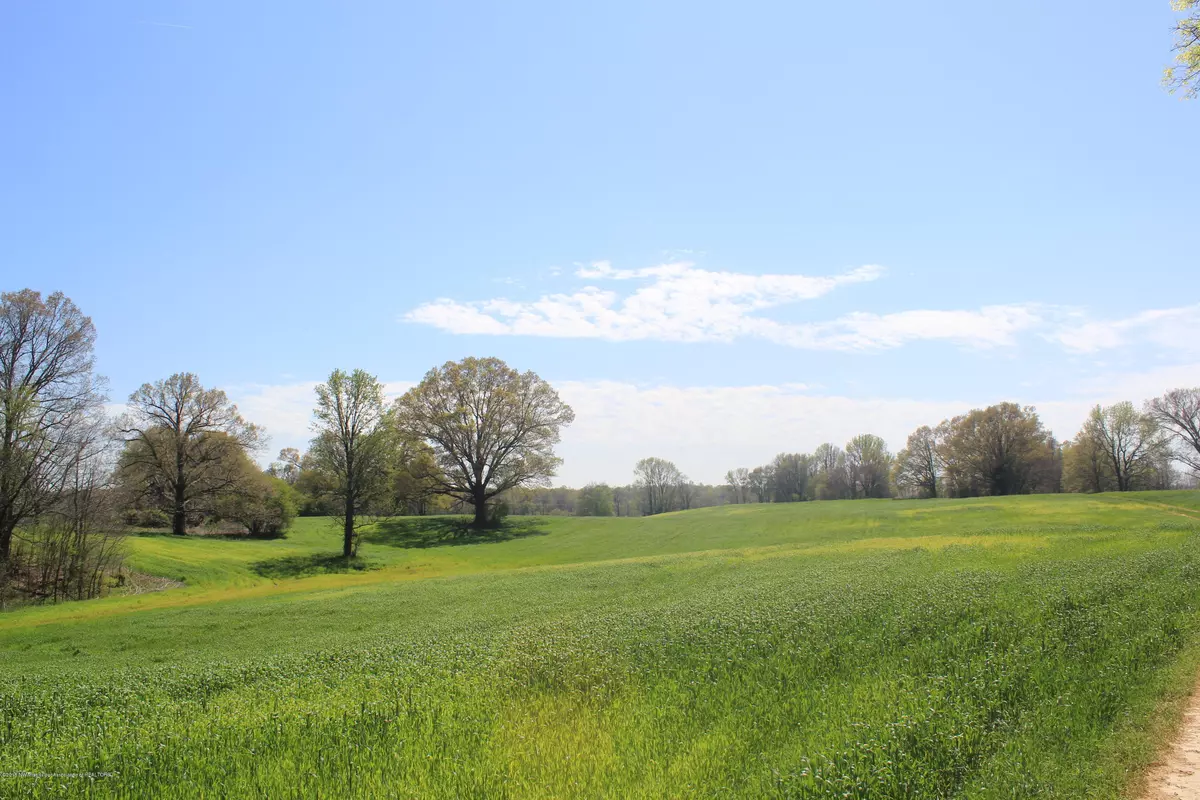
990 648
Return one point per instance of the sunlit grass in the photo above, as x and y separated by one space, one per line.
1018 647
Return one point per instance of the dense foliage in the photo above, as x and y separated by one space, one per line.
491 428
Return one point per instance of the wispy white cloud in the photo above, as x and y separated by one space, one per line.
679 302
990 326
1176 328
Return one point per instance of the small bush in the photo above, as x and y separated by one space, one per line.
497 514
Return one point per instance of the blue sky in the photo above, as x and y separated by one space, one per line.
724 230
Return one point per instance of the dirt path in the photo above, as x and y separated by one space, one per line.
1177 775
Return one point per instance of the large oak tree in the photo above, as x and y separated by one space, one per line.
999 450
183 439
491 427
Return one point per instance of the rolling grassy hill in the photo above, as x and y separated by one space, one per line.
1013 647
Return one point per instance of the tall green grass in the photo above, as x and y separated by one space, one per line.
985 649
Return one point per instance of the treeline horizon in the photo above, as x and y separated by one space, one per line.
995 451
474 436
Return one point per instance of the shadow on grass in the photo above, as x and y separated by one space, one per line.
422 532
313 564
224 536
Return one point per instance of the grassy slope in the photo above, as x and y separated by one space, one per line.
868 649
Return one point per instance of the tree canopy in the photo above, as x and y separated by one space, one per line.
491 428
354 435
183 439
48 395
660 482
1178 413
920 464
999 450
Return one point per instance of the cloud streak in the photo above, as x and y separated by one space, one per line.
678 302
1176 328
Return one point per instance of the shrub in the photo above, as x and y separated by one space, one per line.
266 507
498 513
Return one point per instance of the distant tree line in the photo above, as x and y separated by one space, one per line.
999 450
474 436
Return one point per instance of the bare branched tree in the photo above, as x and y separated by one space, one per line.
1130 442
76 544
287 466
48 392
183 440
919 465
659 482
739 484
1178 413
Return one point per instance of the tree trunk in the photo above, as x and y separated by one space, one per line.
179 518
348 529
481 517
6 537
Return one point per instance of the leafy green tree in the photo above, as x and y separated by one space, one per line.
1085 468
264 504
595 500
415 477
869 466
492 428
829 479
1184 75
789 477
353 443
316 489
624 500
1000 450
182 438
